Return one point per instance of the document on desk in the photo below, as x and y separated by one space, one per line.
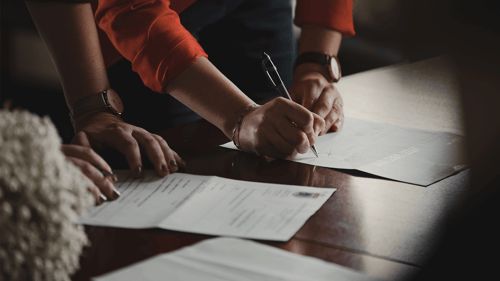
222 259
209 205
405 154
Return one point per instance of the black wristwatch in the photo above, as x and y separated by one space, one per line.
107 99
331 63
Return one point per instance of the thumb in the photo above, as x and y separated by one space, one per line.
319 124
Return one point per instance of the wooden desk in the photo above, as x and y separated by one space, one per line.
378 226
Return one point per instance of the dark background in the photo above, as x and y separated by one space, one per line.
388 32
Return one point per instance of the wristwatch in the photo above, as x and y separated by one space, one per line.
331 62
107 99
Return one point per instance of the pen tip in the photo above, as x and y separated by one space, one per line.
313 149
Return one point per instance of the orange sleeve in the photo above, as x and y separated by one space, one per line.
149 34
334 14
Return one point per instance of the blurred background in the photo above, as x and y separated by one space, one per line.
387 32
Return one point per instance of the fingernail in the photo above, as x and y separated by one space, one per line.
138 172
173 163
116 193
164 168
103 198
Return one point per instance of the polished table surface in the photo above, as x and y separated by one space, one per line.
375 225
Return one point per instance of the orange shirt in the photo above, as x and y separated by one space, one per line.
149 33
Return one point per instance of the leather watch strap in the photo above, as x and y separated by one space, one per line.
87 104
107 99
314 57
330 62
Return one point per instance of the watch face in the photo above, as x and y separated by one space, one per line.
335 68
114 101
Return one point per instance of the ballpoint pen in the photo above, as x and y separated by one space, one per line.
275 79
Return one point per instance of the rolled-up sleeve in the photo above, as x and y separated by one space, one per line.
149 34
334 14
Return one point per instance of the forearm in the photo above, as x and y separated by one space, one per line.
204 89
70 35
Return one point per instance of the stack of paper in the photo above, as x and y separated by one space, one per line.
222 259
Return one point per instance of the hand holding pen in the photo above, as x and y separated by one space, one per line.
275 79
278 129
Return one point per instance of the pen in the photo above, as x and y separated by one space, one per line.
275 79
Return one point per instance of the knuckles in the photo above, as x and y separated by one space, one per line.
324 106
87 151
86 168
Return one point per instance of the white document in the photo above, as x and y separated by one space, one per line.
209 205
222 259
405 154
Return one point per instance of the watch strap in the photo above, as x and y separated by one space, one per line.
313 57
318 58
89 103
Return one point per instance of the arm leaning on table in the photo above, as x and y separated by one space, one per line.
323 23
170 61
69 33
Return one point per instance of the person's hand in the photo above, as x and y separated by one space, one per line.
103 129
278 129
87 160
311 89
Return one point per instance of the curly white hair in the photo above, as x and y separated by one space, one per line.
41 195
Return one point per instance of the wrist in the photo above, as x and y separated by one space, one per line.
108 100
232 122
81 120
237 128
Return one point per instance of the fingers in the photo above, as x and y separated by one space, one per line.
310 124
169 157
156 154
338 108
180 162
279 129
334 119
320 96
103 185
99 198
330 107
319 127
290 135
129 147
163 158
277 144
103 130
325 101
87 154
310 91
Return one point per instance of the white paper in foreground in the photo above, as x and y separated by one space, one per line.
209 205
234 259
401 153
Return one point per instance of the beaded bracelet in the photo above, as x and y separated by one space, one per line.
239 123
